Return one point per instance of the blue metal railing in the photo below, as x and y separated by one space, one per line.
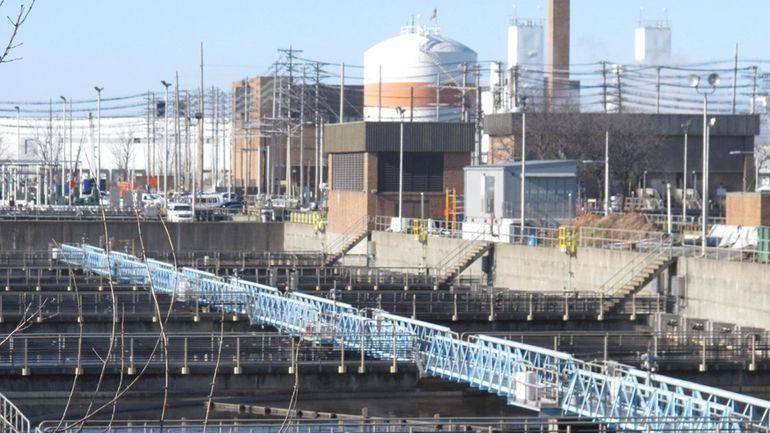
527 376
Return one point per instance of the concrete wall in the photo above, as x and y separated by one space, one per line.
403 250
726 291
303 237
522 267
199 236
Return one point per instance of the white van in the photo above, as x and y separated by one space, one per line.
179 212
208 200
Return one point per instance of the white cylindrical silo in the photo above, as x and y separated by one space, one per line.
419 69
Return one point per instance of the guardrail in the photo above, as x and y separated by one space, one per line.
527 376
494 305
672 349
31 354
316 422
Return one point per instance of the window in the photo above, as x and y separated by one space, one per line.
423 172
489 194
348 171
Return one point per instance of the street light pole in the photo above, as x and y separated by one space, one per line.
606 172
704 176
686 129
18 149
71 161
523 101
164 157
694 81
64 142
99 140
400 165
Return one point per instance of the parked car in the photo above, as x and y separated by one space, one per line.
232 206
179 212
151 199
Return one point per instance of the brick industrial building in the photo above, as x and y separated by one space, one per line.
261 124
364 167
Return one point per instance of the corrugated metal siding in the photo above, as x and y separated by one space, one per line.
344 137
384 137
420 137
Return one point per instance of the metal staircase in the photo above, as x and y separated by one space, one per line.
459 260
633 277
340 246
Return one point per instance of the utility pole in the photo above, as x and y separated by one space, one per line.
620 93
290 62
72 163
735 77
50 154
477 151
463 97
153 145
342 93
302 139
657 90
177 138
99 137
164 154
246 174
187 148
214 138
187 157
63 146
754 90
317 124
201 125
273 140
288 124
604 85
149 152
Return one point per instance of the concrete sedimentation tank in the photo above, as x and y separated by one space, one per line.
421 71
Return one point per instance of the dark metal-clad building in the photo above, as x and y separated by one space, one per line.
363 160
730 133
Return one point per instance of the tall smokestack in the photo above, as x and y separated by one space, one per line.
558 51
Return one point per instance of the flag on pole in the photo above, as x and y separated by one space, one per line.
434 15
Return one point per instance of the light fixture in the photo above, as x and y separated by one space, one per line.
714 79
693 80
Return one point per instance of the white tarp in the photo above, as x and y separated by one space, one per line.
732 236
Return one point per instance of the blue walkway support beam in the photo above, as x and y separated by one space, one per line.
527 376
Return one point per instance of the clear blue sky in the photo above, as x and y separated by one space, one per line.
129 46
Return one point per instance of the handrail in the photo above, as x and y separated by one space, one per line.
457 252
631 269
12 417
349 233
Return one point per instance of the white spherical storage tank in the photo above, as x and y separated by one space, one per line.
426 74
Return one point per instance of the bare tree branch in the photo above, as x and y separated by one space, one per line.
16 24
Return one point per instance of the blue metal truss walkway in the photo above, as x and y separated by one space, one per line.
527 376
